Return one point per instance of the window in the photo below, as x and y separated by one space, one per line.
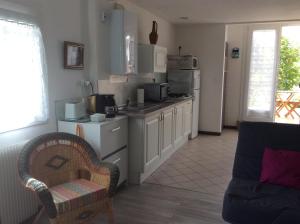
261 73
262 70
23 93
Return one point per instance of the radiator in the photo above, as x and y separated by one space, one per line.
16 203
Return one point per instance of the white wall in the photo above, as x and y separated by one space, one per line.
207 42
60 21
236 37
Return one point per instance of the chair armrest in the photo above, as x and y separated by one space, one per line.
43 194
106 174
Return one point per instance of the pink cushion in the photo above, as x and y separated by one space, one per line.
281 167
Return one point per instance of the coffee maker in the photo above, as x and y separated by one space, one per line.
102 104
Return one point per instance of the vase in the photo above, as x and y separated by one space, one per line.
153 36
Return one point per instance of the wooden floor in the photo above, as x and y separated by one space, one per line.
154 204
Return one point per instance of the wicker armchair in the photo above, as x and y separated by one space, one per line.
68 178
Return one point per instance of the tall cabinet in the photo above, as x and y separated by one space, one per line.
123 42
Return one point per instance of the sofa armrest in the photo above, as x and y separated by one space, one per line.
106 174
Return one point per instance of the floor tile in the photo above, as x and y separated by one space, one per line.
203 165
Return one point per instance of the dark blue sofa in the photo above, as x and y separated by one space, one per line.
247 201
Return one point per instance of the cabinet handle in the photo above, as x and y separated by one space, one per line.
116 161
116 129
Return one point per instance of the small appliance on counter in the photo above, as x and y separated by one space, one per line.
156 91
98 117
75 111
186 62
102 104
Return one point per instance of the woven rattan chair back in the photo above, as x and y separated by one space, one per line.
59 159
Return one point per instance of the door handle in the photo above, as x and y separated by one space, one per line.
116 129
116 161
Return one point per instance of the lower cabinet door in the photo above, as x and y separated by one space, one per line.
152 149
121 160
179 110
187 118
167 133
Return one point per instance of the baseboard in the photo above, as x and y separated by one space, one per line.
231 127
210 133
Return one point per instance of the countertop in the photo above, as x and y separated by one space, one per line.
156 108
105 122
135 113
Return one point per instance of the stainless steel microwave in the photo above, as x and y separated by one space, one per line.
187 62
156 91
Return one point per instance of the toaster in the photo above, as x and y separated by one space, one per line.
75 111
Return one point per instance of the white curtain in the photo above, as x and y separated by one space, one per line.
262 74
23 79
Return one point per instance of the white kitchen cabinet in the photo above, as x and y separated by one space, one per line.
109 139
123 42
152 58
187 118
167 134
152 141
179 125
121 160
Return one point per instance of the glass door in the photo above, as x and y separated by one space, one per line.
287 108
261 73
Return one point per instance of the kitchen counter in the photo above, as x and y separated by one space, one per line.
105 122
153 108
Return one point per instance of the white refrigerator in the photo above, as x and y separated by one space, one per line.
187 82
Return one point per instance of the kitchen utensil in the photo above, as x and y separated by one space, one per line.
98 117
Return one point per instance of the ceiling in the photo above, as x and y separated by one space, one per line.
222 11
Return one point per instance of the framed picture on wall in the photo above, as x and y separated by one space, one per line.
73 55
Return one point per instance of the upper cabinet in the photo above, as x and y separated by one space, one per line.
152 59
123 42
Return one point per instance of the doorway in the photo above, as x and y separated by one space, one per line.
272 91
288 92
